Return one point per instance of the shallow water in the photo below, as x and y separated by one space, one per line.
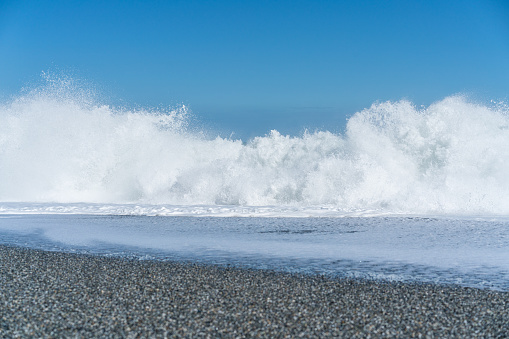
466 251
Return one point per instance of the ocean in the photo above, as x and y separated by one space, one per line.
406 193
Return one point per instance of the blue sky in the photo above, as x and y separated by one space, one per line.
252 66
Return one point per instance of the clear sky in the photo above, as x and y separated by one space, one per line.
251 66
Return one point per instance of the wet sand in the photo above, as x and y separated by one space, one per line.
52 294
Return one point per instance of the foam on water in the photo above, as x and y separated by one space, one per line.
59 146
466 251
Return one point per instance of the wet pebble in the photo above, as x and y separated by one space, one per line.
52 294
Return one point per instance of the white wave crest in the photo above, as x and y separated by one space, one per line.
450 157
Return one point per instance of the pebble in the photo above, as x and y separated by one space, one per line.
55 295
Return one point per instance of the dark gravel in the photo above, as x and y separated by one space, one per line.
50 294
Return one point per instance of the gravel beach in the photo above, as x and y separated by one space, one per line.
51 294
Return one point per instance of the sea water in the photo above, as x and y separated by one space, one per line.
406 193
466 251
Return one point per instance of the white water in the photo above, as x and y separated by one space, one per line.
61 149
61 152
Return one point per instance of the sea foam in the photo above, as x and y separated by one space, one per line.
59 146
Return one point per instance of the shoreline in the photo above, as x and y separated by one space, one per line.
77 295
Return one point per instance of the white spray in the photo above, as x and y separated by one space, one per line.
56 145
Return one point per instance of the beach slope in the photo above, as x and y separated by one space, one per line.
67 295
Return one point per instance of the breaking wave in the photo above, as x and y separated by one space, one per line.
57 145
